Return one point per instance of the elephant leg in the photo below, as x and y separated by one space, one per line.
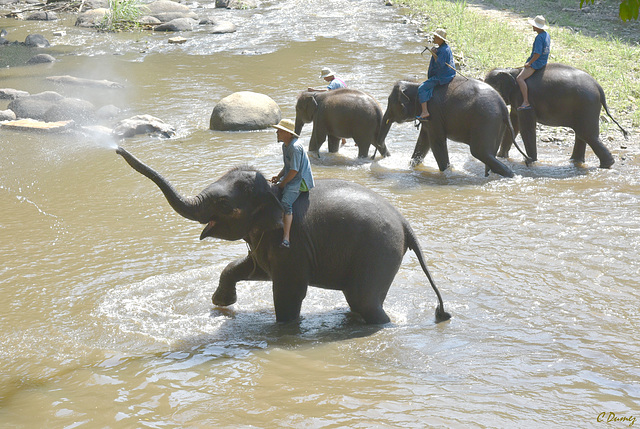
441 152
367 292
288 294
527 121
316 140
579 149
505 144
334 144
363 148
490 161
422 147
601 151
238 270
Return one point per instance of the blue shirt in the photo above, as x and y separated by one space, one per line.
542 46
295 158
336 83
438 69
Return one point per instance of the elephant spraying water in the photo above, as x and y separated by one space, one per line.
344 237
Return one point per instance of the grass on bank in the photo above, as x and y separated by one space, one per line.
486 42
122 16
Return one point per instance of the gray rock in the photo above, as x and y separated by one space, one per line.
35 106
11 94
149 20
79 111
91 18
143 124
41 58
42 15
245 111
224 27
36 41
166 11
236 4
180 24
7 115
107 112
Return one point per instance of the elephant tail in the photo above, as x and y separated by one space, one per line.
606 109
441 314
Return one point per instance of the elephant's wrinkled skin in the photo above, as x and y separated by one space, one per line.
341 113
344 237
465 110
559 95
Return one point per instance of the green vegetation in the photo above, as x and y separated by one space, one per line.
628 8
485 39
122 15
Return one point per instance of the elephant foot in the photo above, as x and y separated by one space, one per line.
607 163
224 297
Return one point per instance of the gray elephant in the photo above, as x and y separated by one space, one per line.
341 113
344 237
466 110
559 95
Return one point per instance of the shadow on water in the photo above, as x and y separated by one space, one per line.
244 331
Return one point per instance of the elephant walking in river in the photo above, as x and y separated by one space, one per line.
341 113
344 237
465 110
560 95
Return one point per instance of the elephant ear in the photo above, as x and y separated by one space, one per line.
506 85
268 213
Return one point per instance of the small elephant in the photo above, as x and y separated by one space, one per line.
560 95
341 113
465 110
344 237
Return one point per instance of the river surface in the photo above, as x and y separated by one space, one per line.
106 318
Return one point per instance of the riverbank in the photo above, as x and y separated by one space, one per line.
495 33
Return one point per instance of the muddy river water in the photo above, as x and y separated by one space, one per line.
106 318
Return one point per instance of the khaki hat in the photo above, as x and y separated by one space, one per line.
539 22
326 72
441 33
286 125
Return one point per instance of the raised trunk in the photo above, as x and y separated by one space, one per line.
187 207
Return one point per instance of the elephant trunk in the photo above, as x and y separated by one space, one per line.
186 207
299 124
384 129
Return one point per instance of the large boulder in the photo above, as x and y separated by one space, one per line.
166 10
36 41
41 59
42 15
143 124
91 18
245 111
236 4
179 24
11 94
7 115
80 111
35 106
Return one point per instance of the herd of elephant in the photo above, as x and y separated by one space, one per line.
466 110
346 237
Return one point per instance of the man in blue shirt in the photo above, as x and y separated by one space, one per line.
295 176
442 70
329 76
538 58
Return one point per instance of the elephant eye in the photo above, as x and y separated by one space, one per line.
224 206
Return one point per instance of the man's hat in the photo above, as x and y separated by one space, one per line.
441 33
326 72
539 22
286 125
